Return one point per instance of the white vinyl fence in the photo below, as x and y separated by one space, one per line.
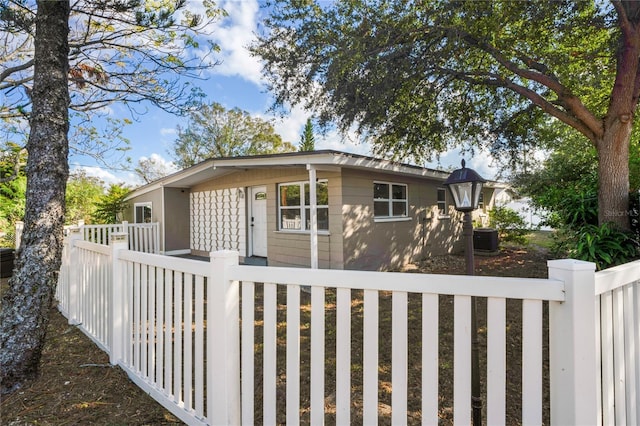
144 237
227 344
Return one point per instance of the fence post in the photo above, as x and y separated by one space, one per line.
118 303
573 345
223 341
75 234
18 235
125 228
156 238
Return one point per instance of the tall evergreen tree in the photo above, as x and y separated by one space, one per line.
25 305
307 140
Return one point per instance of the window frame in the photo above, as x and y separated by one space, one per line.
143 205
442 212
390 217
304 207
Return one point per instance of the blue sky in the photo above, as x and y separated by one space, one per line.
237 82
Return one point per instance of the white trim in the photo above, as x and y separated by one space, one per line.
302 207
313 210
327 160
306 232
176 252
387 219
142 204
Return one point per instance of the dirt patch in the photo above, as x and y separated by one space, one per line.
78 386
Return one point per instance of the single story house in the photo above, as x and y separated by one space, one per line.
370 213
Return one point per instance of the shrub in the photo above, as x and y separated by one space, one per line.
510 225
604 245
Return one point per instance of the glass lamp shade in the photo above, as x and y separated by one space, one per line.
465 186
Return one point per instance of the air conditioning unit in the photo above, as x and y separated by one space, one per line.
485 239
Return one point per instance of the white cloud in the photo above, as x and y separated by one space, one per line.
165 131
104 175
291 126
234 34
161 162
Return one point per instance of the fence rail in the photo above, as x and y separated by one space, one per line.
222 343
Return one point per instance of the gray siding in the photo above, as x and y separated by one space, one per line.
176 225
384 245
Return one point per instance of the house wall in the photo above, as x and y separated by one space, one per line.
155 198
177 219
289 248
371 244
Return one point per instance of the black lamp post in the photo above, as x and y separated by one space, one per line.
465 186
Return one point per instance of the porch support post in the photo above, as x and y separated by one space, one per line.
223 341
313 203
573 345
118 304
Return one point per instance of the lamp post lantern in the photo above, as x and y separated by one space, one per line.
465 186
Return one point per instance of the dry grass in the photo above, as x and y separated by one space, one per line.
77 385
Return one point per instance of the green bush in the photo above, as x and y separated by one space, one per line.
510 225
604 245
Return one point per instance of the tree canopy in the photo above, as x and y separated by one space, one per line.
418 78
131 52
213 131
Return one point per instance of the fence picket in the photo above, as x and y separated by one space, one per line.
636 332
187 360
630 355
293 355
317 355
430 339
370 358
198 359
178 341
269 354
247 351
606 344
619 388
169 321
462 360
496 361
399 357
136 317
343 356
160 328
151 320
532 362
144 321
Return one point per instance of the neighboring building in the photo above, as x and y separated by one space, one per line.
372 214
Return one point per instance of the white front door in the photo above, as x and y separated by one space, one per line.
258 221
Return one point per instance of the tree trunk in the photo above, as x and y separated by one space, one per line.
25 306
613 173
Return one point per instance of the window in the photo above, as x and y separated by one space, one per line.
481 201
294 206
142 213
442 202
390 200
